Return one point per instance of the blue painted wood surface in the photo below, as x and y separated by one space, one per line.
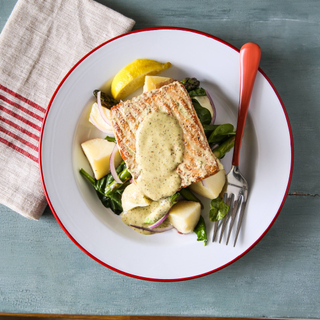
42 271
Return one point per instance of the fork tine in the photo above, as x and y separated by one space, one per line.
243 207
229 202
233 217
215 226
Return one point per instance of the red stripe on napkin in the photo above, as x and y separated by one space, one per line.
23 130
19 117
17 95
20 121
18 106
16 137
25 153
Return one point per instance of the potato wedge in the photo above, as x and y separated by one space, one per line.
98 153
185 215
211 187
155 82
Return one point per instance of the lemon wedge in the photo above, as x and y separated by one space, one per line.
132 197
132 76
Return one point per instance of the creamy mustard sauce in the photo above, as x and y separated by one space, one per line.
160 150
138 215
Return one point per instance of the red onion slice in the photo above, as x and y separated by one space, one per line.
213 108
152 230
204 183
100 109
109 132
160 220
112 165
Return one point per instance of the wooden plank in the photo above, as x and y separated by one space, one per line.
24 316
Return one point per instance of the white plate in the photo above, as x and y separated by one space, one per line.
266 155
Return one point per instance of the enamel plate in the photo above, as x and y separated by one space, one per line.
266 156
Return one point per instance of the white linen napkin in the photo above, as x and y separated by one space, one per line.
39 44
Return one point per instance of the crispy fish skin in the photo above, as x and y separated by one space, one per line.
198 163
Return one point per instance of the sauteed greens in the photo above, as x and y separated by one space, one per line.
220 138
108 190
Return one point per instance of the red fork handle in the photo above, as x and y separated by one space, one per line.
250 54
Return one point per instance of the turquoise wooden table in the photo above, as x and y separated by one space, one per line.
42 271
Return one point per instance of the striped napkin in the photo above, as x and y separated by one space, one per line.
39 44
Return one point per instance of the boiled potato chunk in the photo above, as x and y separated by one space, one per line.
132 197
205 103
185 215
155 82
98 153
212 186
96 119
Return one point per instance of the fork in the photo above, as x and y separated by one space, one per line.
236 194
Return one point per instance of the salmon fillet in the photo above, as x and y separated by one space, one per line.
198 162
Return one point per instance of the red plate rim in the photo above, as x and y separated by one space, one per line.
64 228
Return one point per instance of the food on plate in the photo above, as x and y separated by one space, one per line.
146 122
98 152
210 187
185 215
218 209
201 231
132 76
108 190
156 216
132 197
169 149
155 82
101 119
105 99
149 219
205 103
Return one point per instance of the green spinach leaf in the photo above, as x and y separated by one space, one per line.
200 231
203 114
108 191
218 210
221 132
